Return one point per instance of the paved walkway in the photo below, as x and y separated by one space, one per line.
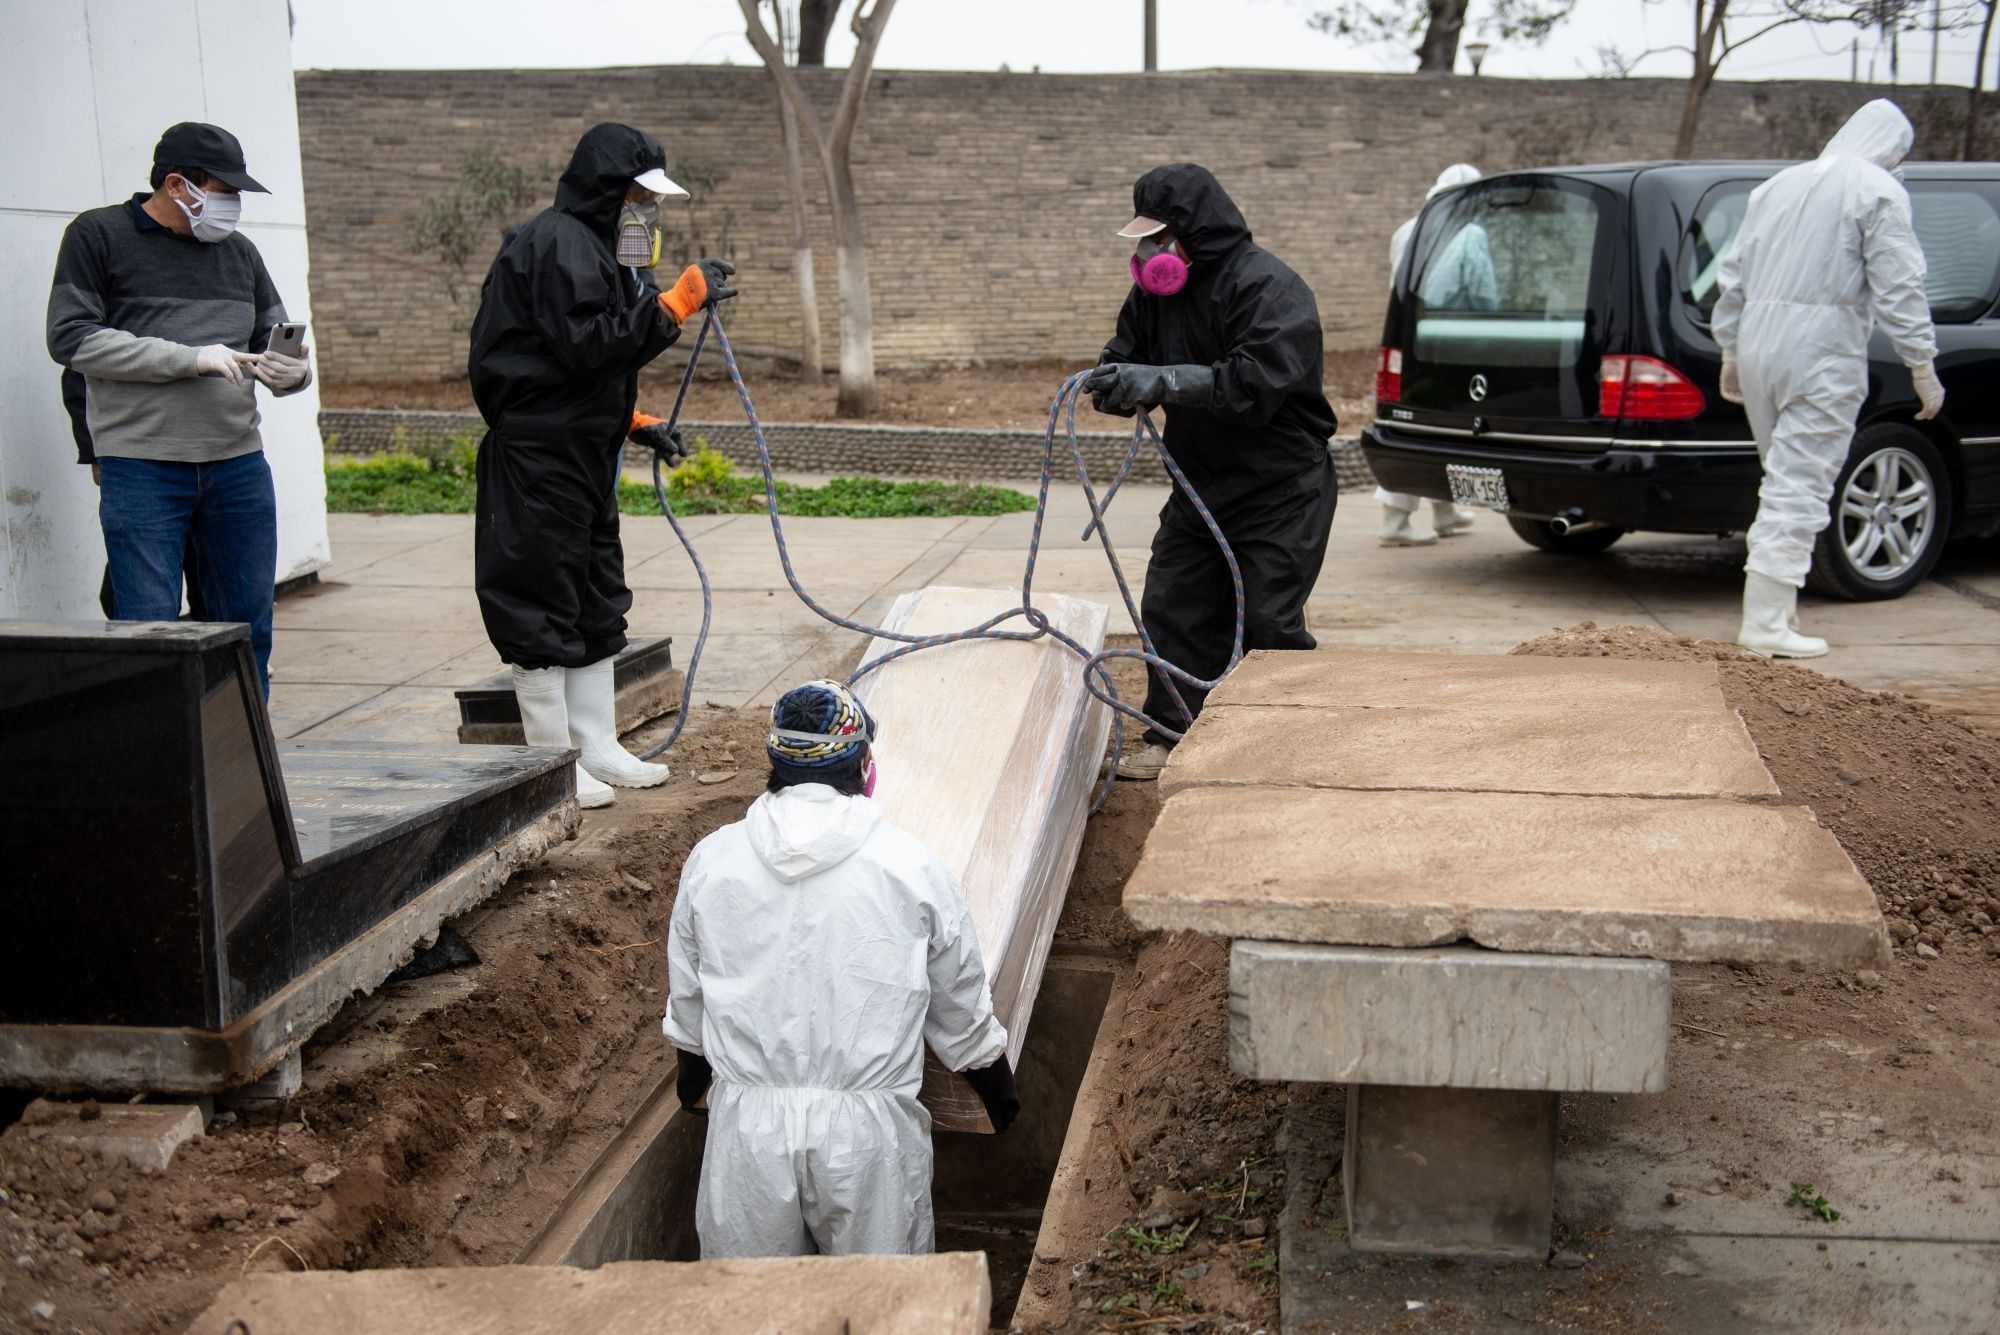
377 648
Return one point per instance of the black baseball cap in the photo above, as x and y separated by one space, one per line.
209 147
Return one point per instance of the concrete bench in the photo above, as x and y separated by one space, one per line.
1454 885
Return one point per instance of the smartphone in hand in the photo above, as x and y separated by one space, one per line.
287 339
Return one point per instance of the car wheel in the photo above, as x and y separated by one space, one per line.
1587 542
1891 514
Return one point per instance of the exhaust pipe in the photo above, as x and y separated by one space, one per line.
1574 521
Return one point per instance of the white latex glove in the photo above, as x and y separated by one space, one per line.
279 372
1930 391
215 359
1732 384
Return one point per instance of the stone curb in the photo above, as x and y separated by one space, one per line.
818 447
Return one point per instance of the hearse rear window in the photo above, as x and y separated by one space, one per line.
1506 275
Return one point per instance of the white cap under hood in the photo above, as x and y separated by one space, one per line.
1452 177
809 827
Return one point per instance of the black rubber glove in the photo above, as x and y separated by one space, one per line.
1123 386
715 273
995 1087
691 1079
664 441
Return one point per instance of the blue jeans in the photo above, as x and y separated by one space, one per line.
227 512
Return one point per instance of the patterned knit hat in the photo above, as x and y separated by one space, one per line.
817 726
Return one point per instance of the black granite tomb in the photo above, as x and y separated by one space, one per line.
178 881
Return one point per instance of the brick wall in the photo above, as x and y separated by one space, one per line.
990 199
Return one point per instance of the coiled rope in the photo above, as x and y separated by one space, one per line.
1097 675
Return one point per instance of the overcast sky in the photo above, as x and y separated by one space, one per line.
1057 35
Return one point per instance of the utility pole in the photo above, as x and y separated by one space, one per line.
1937 26
1152 36
1854 61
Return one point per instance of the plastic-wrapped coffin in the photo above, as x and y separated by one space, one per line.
989 754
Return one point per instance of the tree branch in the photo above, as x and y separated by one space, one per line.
868 23
782 74
1729 46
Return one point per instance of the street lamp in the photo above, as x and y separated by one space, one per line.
1476 53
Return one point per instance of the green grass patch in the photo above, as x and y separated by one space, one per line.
442 481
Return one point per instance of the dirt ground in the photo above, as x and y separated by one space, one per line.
995 395
444 1119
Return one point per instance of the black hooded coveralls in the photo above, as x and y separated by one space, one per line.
1257 455
561 333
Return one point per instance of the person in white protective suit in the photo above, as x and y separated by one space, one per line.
1824 247
1400 508
814 951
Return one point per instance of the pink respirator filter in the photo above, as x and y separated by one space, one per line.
1161 275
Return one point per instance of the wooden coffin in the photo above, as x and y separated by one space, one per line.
989 753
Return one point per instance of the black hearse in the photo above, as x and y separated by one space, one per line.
1547 355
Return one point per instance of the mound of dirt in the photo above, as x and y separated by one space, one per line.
1912 793
1195 1236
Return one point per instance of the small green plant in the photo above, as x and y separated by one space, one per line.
426 475
1803 1193
1166 1291
460 229
1158 1242
1122 1302
703 476
431 477
1264 1262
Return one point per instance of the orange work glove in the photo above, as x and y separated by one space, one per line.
688 295
702 283
640 419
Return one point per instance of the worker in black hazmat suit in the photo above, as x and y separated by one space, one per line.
1227 338
568 314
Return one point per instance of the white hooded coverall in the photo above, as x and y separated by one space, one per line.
814 950
1824 247
1451 177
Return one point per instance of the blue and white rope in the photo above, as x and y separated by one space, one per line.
1097 675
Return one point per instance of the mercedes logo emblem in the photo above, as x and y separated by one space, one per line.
1478 389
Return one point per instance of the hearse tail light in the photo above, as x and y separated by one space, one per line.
1389 377
1646 389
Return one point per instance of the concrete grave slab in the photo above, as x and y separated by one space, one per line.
1382 680
1697 879
1639 753
946 1294
144 1135
1453 1016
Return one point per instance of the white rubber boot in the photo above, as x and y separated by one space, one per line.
545 722
1449 520
593 727
1398 531
1770 612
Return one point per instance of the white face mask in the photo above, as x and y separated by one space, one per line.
219 212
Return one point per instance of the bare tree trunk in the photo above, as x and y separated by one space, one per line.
833 146
815 22
1698 85
857 307
1708 19
1978 85
812 359
1439 51
1152 36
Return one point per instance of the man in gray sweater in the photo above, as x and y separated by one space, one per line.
166 311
